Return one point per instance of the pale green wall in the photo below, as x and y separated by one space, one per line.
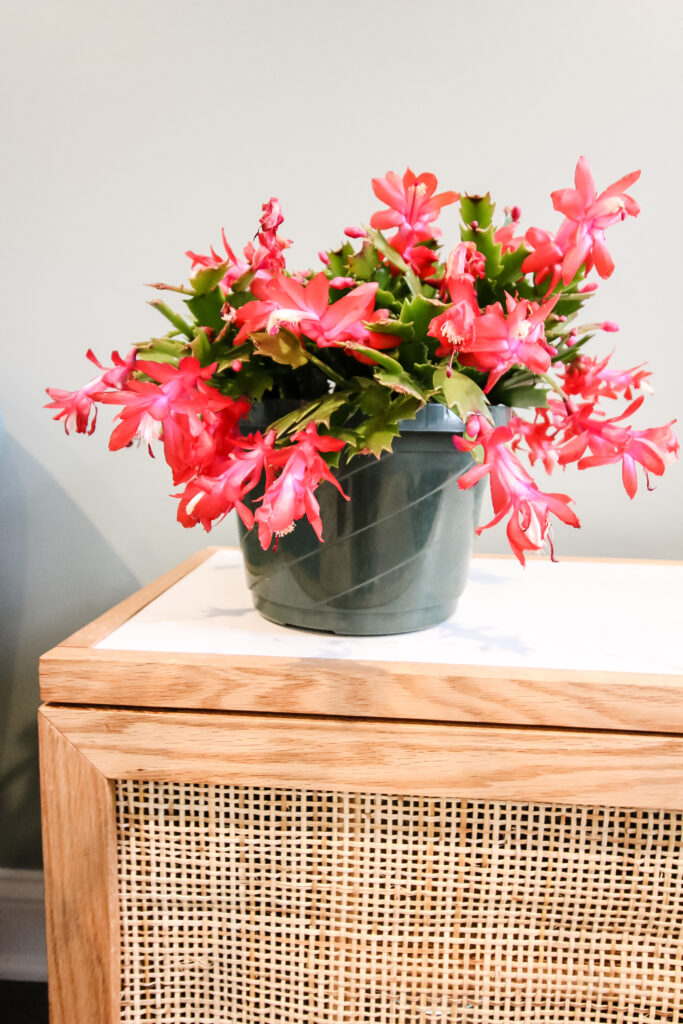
135 130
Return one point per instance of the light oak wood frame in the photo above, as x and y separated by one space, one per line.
76 672
84 750
81 896
428 759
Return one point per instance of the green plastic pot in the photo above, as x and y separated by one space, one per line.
395 558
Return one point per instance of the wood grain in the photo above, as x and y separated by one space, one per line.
375 689
130 606
75 672
79 847
479 762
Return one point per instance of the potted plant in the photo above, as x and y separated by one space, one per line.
398 376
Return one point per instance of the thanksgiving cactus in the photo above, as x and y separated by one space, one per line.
389 323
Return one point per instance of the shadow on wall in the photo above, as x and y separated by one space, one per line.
52 562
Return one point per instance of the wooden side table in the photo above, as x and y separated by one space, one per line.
480 823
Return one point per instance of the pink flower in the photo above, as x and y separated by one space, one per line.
539 436
77 407
236 268
262 260
420 257
117 375
174 404
500 342
585 429
590 379
454 328
223 485
305 309
512 489
545 260
290 495
342 283
413 207
506 238
582 235
268 258
194 442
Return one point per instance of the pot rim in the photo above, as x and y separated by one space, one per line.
432 417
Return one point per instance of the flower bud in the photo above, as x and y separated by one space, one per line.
342 282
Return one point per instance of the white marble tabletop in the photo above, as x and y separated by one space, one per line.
594 616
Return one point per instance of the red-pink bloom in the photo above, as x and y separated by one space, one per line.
500 342
224 484
174 404
305 309
582 235
589 378
236 268
117 375
506 238
512 489
465 259
77 407
342 283
419 257
581 238
454 329
290 495
265 259
194 442
545 259
268 258
413 207
608 441
539 436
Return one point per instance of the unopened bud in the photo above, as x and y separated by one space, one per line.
609 325
236 365
591 286
474 224
324 258
515 213
354 232
342 282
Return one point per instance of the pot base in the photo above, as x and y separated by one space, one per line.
368 622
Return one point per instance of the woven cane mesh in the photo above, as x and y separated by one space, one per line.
253 905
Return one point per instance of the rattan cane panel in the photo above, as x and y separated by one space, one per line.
253 905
